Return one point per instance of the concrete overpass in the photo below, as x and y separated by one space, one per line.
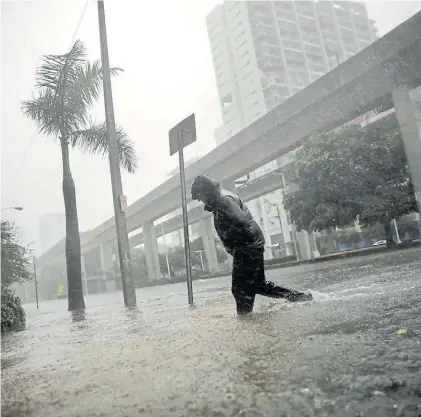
383 73
262 185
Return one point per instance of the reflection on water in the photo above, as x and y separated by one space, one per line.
338 355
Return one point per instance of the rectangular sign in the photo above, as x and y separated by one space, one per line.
123 203
183 134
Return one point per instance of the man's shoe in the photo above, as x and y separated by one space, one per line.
299 297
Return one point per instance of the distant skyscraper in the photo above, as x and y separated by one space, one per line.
266 51
51 229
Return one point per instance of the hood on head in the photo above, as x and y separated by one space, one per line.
202 184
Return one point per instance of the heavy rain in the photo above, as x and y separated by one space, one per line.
211 208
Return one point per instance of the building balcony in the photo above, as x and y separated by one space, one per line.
317 68
264 32
313 52
267 60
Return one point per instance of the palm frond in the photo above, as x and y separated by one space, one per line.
58 72
55 77
94 140
50 116
43 111
67 87
87 87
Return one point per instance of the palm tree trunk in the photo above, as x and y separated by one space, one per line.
73 252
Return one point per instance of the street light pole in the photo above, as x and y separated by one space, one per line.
129 293
35 279
166 251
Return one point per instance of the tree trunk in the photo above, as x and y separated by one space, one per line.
388 232
330 241
73 252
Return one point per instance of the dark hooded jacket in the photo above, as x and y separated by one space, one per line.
233 221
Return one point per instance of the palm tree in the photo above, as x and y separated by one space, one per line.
67 87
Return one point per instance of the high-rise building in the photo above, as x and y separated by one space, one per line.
51 229
266 51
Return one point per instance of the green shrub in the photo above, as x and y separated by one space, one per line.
12 312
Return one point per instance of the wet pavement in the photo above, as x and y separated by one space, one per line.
338 355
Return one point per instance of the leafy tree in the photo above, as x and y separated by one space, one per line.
12 312
349 173
66 89
15 256
15 259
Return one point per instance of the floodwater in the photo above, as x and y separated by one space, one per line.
338 355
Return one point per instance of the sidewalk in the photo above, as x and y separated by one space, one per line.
330 257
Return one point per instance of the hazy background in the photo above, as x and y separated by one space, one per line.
163 48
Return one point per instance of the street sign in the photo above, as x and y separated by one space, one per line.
183 134
123 203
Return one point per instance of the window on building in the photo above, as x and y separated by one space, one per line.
318 68
237 13
239 35
238 25
296 46
227 101
245 65
245 53
315 76
277 238
245 76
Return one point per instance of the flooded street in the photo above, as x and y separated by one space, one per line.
338 355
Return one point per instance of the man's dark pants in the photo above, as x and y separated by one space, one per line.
248 279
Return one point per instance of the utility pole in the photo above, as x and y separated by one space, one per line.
129 293
398 239
35 279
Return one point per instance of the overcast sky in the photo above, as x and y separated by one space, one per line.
163 48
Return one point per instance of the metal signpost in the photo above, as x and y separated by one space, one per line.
180 136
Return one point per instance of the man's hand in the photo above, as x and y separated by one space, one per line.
208 208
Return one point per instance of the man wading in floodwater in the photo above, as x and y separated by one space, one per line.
243 239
